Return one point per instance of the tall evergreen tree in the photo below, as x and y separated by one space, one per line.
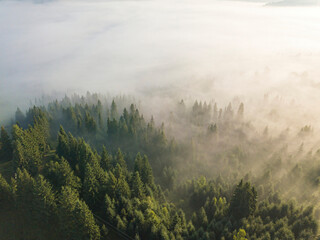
243 201
114 110
106 159
137 186
63 145
6 148
146 172
20 117
60 174
75 218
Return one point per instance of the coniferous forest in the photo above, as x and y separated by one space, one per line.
97 167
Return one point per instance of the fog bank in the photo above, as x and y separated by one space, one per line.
204 49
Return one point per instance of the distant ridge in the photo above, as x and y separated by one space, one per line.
294 3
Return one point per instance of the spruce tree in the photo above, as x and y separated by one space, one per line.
146 172
106 159
75 218
243 201
137 186
6 148
63 148
114 110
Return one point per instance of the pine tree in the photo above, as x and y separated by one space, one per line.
109 208
75 218
106 159
123 188
114 110
6 148
212 130
137 186
240 111
44 205
24 196
138 163
243 201
63 148
60 174
20 118
202 218
119 159
90 123
6 194
112 128
90 186
146 172
27 149
125 115
111 184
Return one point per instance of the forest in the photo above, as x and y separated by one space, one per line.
105 167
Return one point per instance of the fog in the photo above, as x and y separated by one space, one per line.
204 49
246 70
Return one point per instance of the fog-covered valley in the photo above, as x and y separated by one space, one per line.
159 119
203 49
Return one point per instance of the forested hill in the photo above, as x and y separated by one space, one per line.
94 168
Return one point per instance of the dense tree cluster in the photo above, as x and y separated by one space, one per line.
218 209
99 123
93 168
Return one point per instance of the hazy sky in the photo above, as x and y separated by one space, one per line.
195 47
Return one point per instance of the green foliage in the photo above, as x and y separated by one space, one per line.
60 174
76 219
243 202
6 149
106 159
142 166
77 189
241 235
137 186
30 145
